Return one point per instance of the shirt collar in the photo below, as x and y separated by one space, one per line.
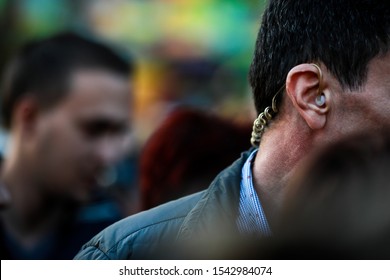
251 217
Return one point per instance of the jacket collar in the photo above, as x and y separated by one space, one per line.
216 212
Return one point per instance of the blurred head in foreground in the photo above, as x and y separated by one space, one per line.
338 206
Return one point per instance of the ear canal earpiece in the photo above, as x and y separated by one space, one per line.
266 116
320 100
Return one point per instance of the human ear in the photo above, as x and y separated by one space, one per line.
305 88
25 113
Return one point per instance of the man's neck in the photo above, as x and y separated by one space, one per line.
274 165
31 214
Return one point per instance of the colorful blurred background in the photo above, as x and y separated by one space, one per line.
191 52
194 52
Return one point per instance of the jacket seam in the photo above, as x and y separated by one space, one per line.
150 225
97 248
196 214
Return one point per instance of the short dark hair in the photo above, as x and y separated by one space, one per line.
344 35
43 68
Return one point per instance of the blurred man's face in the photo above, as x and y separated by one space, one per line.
82 135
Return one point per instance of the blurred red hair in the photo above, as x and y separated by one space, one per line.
186 152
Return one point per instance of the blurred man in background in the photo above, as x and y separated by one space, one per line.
65 102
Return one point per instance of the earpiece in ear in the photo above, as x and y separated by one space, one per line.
320 100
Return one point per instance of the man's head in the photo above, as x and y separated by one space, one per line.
66 102
348 39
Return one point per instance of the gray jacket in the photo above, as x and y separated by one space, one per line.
210 214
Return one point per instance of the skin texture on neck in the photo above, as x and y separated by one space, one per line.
295 132
280 151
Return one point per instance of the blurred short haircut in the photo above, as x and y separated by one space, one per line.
43 68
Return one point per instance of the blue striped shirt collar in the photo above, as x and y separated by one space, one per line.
251 217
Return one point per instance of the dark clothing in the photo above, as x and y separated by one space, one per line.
208 215
66 241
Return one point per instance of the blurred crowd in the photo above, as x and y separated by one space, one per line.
79 186
70 165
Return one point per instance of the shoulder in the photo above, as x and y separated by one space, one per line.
141 234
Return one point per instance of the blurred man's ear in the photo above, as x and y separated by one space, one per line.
25 114
304 85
